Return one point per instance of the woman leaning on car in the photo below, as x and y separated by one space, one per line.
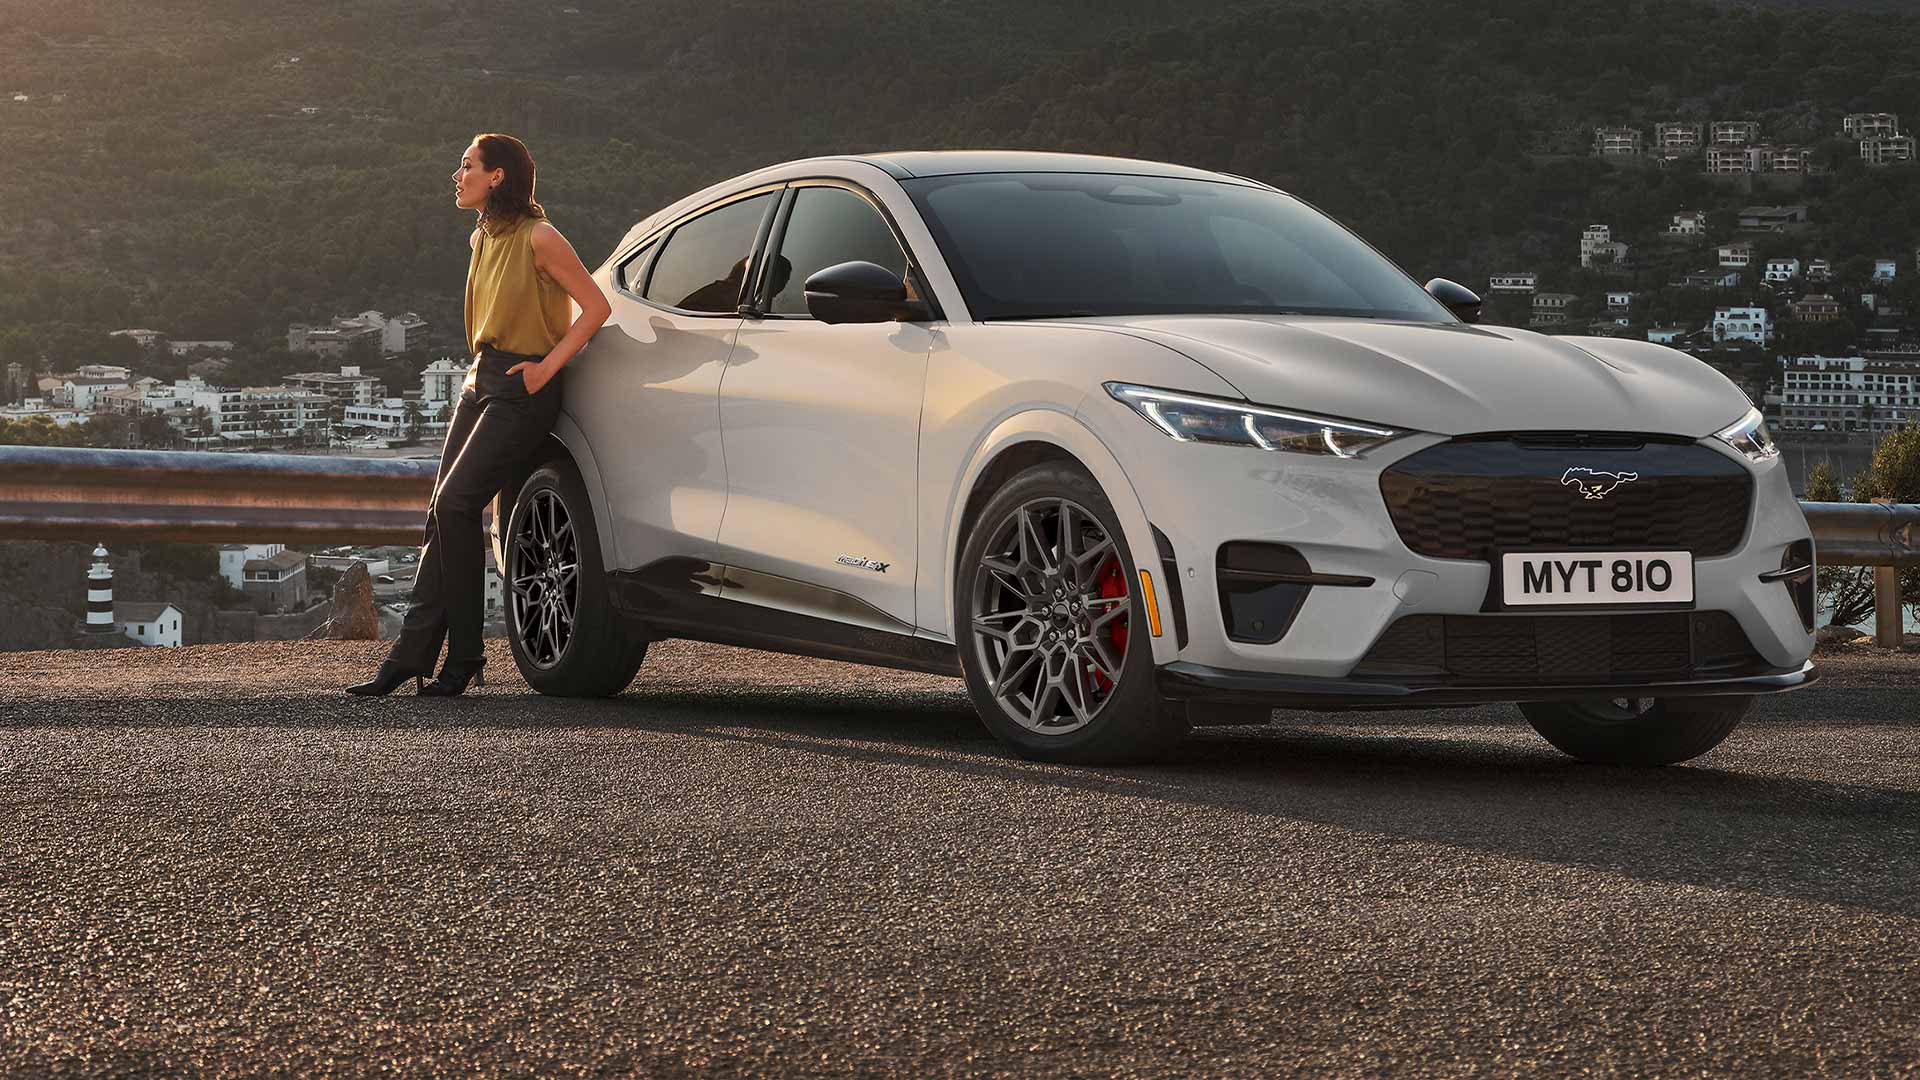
521 334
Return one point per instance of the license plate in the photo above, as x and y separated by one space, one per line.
1596 577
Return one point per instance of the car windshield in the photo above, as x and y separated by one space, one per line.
1062 245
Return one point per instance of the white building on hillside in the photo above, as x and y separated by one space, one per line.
442 380
1598 248
1848 393
405 332
349 387
234 559
40 407
149 624
1689 223
263 412
389 418
1751 324
1781 271
79 391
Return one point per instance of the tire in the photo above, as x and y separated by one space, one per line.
1078 681
1637 731
568 640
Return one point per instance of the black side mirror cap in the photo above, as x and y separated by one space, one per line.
861 292
1462 301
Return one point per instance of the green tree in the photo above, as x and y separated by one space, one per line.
1894 474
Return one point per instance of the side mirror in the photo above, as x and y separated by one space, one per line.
860 292
1462 301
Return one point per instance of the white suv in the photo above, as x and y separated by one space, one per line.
1132 447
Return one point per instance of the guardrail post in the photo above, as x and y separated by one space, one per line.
1887 631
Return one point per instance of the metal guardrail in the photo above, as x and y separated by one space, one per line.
61 493
1865 534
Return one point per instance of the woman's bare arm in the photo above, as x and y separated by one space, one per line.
554 257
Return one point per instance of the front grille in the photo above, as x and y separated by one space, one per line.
1597 649
1473 498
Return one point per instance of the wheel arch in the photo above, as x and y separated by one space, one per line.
566 443
1032 438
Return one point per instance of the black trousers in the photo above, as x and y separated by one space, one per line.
495 427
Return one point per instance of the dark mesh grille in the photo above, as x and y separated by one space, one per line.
1473 498
1560 648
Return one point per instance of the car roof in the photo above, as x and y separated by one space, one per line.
905 164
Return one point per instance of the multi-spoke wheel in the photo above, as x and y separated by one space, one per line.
1048 614
567 638
1635 730
544 575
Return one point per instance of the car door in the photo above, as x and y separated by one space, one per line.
821 425
648 394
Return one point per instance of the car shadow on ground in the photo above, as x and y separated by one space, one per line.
1475 779
1472 778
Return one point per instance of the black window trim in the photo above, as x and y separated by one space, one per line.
664 234
771 244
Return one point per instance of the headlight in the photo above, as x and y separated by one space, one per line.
1191 418
1750 437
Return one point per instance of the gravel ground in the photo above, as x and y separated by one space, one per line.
214 864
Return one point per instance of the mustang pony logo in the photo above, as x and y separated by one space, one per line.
1594 484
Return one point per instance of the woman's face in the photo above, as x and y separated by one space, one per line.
473 180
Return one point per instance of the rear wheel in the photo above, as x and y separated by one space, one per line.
1051 628
567 639
1637 731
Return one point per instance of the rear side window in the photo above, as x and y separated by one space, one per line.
828 226
705 260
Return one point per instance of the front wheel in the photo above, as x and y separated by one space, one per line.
1637 731
567 639
1052 628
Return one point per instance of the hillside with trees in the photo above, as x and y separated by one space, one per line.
218 168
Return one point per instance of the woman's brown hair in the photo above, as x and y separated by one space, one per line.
513 198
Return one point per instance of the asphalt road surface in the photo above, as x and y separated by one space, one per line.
212 863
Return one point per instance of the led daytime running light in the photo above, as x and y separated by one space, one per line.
1326 434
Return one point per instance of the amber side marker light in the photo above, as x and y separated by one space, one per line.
1153 605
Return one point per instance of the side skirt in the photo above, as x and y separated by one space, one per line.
704 601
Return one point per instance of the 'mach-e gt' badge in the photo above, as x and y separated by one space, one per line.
1594 484
864 564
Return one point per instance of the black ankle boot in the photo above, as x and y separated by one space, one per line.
389 677
453 678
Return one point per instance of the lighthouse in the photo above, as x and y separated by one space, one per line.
100 594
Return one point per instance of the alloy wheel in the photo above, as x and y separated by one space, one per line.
545 579
1050 613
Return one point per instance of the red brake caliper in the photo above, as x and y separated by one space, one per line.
1111 584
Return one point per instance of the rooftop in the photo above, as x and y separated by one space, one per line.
285 560
140 611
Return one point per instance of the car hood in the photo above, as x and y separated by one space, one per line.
1450 379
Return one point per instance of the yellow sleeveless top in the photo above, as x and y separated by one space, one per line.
511 305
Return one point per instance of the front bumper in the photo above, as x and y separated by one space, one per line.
1332 513
1197 683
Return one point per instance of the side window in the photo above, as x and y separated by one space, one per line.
630 276
828 226
705 260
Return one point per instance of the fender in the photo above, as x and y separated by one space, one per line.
1069 434
575 440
